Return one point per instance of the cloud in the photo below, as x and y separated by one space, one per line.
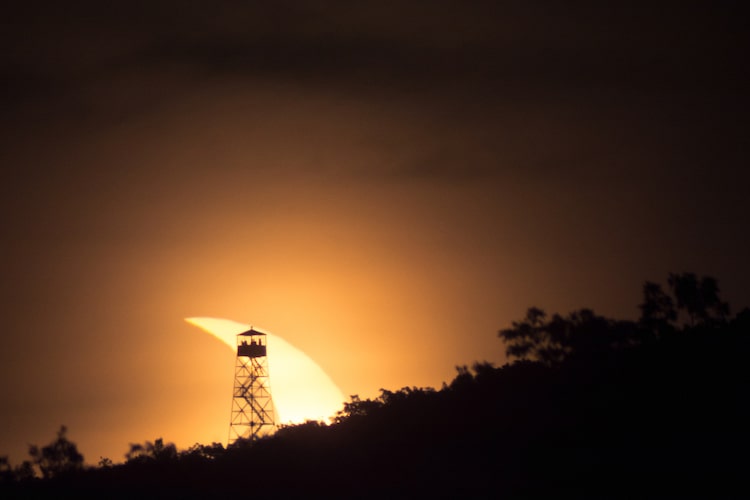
439 42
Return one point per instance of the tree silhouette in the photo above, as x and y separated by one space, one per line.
598 408
6 471
582 333
24 471
657 309
204 452
156 451
57 458
699 298
357 408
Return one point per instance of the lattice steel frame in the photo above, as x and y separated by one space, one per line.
252 406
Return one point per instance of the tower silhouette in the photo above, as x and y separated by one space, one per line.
252 406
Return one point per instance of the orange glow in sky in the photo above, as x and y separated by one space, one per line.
300 389
383 192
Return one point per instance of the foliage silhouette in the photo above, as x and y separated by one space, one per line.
581 333
699 298
6 470
57 458
592 407
24 471
658 313
584 334
156 451
203 452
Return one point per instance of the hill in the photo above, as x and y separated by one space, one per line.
592 408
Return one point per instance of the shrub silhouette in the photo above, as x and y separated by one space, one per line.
57 458
156 451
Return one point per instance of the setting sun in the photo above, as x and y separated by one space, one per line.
301 390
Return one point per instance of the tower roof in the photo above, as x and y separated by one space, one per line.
250 332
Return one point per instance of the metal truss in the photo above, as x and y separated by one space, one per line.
252 406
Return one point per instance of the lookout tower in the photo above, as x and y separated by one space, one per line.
252 407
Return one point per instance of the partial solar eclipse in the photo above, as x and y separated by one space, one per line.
300 389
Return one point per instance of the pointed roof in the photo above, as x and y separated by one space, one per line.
250 332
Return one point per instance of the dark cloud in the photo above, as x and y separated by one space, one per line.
544 44
678 64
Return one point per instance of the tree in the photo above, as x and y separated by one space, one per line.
156 451
57 458
657 310
6 471
24 471
699 298
204 452
582 333
525 338
357 408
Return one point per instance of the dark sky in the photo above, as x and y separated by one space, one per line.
383 184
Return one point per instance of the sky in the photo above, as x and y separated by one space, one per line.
384 185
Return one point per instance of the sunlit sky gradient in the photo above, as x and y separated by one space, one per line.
382 184
301 390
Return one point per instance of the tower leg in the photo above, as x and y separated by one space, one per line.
252 407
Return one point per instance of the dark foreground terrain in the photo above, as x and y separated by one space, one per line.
591 407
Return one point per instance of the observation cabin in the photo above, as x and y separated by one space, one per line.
251 344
